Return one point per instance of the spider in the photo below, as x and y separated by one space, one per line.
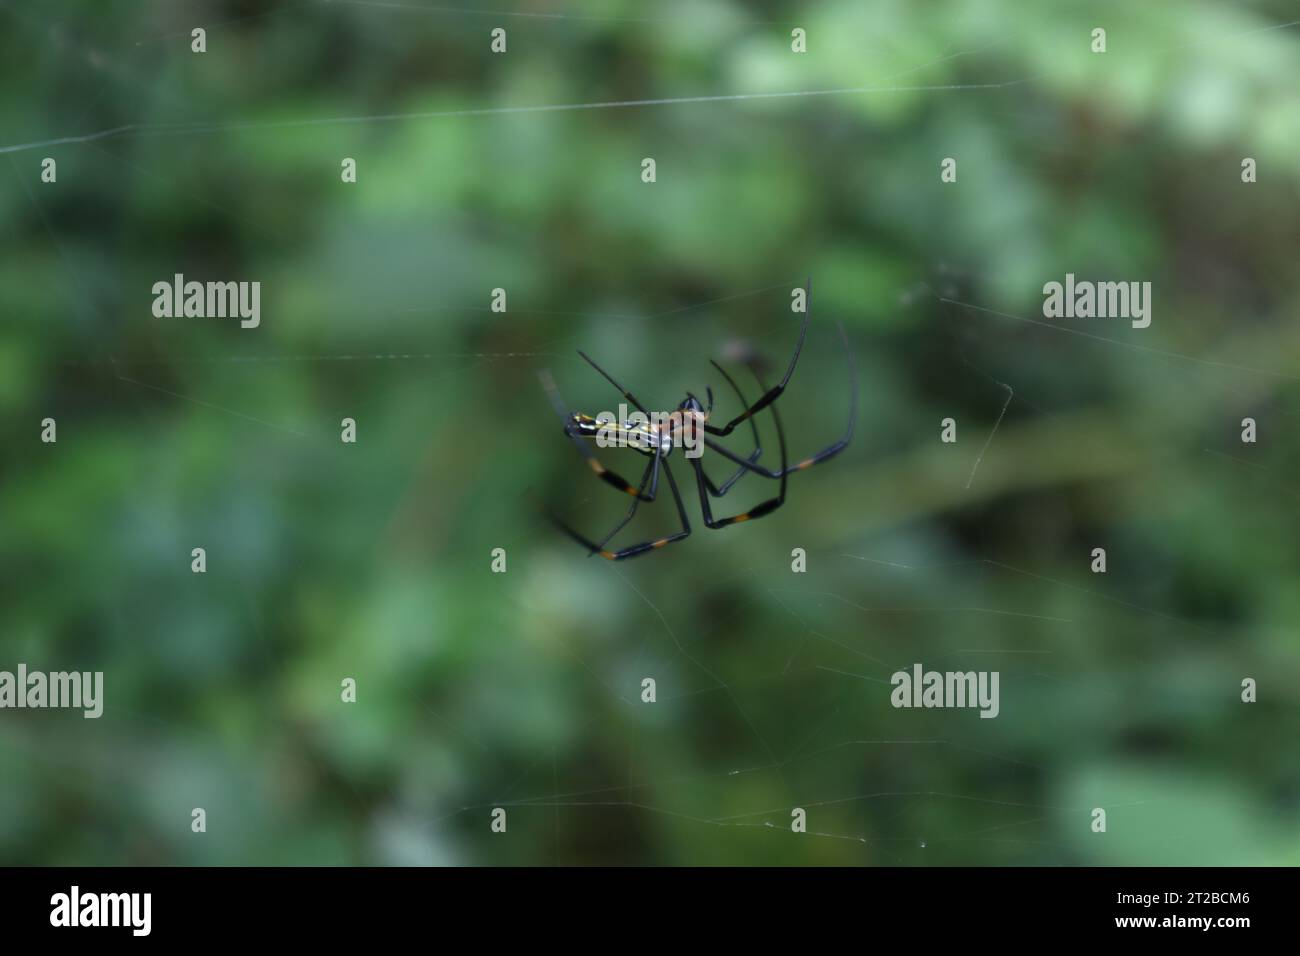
656 437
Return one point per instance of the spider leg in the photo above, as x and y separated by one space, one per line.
609 378
775 391
580 442
715 490
760 509
830 451
651 475
645 546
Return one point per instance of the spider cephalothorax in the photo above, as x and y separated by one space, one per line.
655 435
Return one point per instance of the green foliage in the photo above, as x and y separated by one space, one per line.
371 561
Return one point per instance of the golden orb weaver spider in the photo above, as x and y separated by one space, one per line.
657 435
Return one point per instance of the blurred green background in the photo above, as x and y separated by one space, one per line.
522 690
